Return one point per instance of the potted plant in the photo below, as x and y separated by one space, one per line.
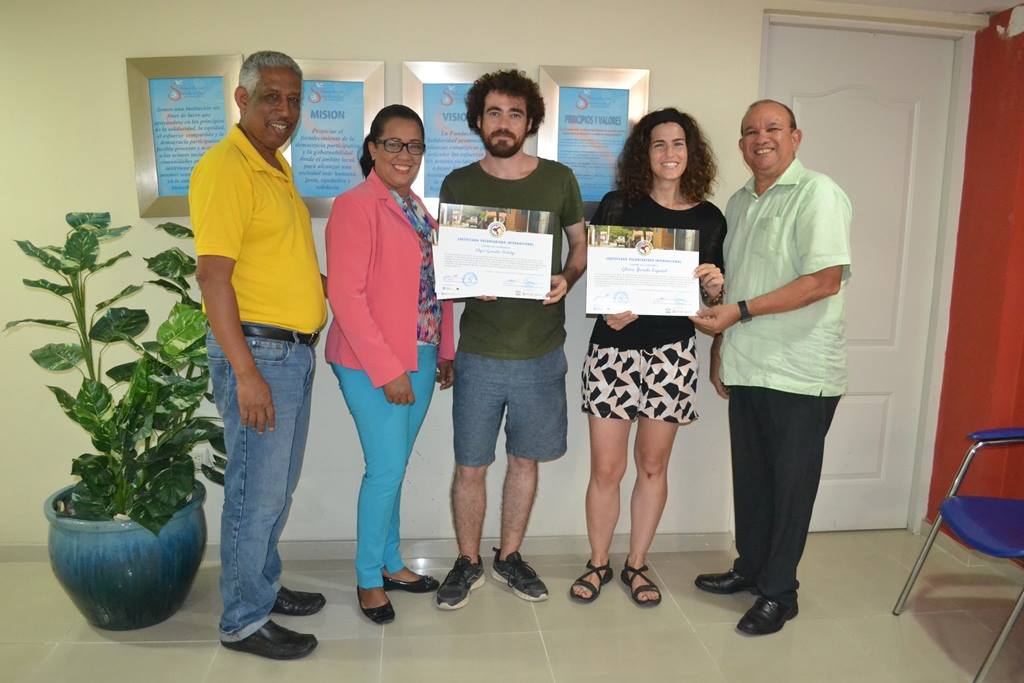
127 538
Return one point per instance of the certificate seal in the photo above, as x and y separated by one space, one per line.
497 229
644 247
469 279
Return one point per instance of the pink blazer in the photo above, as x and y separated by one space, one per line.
373 285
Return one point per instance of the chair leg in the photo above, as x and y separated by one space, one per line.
1003 635
902 601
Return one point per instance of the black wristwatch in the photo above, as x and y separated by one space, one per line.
745 316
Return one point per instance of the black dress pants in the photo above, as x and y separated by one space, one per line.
778 441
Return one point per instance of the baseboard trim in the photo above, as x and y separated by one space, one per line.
435 547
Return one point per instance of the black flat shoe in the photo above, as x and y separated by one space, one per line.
383 614
298 603
424 584
274 642
766 616
726 583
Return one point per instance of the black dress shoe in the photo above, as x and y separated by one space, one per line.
298 603
724 584
274 642
384 614
766 616
424 584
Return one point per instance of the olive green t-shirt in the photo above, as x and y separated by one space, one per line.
515 329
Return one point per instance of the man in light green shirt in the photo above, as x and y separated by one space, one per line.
779 356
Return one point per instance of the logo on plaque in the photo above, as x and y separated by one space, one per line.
497 229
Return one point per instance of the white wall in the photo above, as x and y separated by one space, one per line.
68 148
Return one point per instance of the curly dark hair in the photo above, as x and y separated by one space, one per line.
508 82
634 175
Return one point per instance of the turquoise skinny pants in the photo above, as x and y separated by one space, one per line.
387 432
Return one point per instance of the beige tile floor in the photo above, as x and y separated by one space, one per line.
845 631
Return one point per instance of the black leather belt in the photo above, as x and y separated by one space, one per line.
280 334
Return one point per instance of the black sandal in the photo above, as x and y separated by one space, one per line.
604 575
630 573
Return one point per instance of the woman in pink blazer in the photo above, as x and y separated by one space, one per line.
389 341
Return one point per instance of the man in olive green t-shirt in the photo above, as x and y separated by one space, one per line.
510 364
783 366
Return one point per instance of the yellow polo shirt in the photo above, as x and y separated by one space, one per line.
247 210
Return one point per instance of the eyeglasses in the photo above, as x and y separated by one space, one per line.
394 146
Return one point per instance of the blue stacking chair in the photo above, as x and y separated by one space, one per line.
994 526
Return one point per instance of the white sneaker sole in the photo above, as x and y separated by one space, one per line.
519 594
459 605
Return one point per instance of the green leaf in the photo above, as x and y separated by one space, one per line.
178 394
94 497
44 257
56 288
93 409
111 261
80 252
183 328
175 230
111 233
172 263
213 475
66 400
218 444
58 357
133 418
127 291
118 324
123 372
39 321
168 285
96 220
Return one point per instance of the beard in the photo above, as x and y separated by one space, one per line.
504 148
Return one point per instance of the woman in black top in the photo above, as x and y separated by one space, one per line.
644 369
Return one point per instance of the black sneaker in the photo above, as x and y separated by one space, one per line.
464 577
519 577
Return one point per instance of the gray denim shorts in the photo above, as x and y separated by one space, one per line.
529 394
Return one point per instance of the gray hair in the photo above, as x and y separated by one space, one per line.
792 116
249 76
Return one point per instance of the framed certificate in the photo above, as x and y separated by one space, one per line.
590 112
180 107
648 271
339 101
492 251
437 91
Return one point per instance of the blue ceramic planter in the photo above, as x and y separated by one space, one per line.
118 574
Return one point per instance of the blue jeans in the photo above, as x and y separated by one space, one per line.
387 432
260 478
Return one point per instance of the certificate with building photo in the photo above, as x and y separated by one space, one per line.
491 251
648 271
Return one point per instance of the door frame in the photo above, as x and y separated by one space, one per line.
952 190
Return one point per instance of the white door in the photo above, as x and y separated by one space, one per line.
874 107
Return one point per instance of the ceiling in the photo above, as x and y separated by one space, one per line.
969 6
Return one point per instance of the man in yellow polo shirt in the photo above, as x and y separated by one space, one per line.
779 356
263 296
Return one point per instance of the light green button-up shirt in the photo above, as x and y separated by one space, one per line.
800 225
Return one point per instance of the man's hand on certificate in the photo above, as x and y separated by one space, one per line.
559 286
617 321
716 319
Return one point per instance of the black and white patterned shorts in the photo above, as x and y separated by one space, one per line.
659 383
